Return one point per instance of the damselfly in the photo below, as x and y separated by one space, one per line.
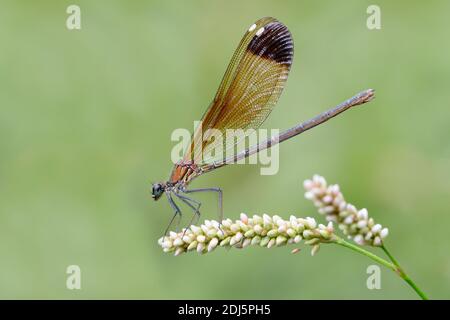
249 90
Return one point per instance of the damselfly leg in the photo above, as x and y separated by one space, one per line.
196 215
220 198
177 212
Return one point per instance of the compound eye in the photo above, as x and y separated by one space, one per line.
157 190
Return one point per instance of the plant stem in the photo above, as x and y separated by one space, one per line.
393 266
403 275
391 257
360 250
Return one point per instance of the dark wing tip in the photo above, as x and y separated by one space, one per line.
273 41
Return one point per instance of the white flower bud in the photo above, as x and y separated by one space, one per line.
348 220
167 243
244 227
327 210
220 234
272 233
225 241
384 233
324 233
282 228
192 245
267 218
376 228
246 242
211 232
226 223
362 224
256 240
177 242
363 214
307 184
267 221
200 247
249 233
204 228
271 243
311 223
173 235
290 232
315 249
215 224
327 199
359 239
309 195
257 220
196 230
213 244
307 234
377 242
178 251
335 190
264 241
235 227
312 241
258 229
281 240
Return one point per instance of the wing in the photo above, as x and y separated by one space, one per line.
250 88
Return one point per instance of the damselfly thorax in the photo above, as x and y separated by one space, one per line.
249 90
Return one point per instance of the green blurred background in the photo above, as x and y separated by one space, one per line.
85 124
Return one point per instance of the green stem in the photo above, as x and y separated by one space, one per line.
393 266
360 250
391 257
403 275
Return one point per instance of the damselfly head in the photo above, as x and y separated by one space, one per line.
158 190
